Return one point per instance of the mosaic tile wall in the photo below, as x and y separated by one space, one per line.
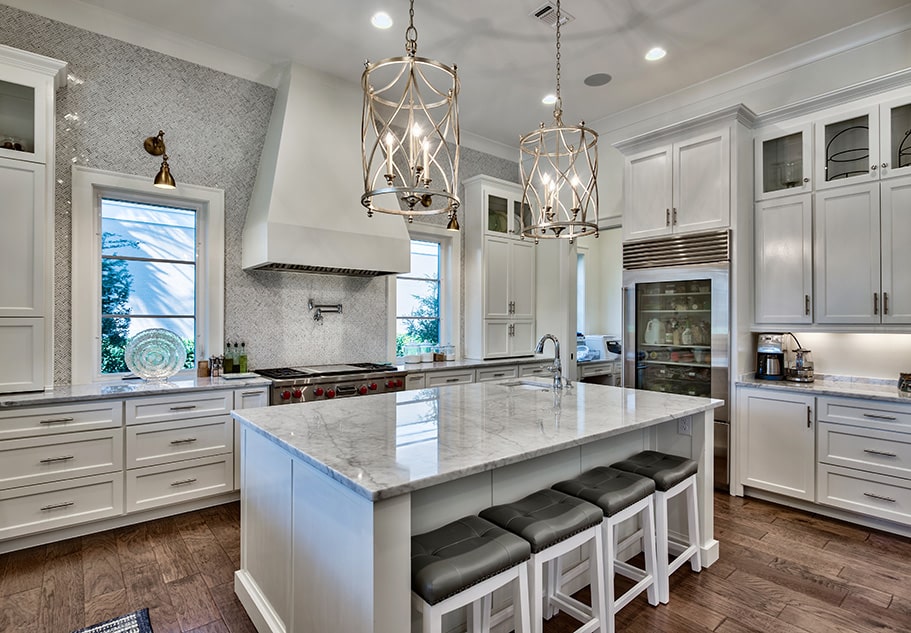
215 124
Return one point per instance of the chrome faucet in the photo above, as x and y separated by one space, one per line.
559 381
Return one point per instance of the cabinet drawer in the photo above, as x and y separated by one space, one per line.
162 442
35 460
443 378
873 450
172 483
535 370
867 493
881 415
49 506
415 381
61 419
498 373
250 398
166 408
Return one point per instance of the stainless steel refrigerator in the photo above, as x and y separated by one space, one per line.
676 322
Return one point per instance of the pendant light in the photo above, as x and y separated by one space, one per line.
559 169
410 135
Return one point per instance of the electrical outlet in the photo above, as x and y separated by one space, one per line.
684 426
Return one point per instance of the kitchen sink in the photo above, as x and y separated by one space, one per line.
527 384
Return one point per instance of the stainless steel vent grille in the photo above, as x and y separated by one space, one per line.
684 250
547 13
323 270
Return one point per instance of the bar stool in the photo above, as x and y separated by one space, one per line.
621 496
554 524
672 475
463 563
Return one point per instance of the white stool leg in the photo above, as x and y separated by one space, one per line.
521 610
537 594
661 546
596 573
648 547
554 573
609 555
692 512
433 620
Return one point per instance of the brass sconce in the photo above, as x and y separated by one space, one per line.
154 145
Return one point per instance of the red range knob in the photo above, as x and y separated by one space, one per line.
362 390
399 383
372 386
318 391
330 393
297 393
390 384
286 395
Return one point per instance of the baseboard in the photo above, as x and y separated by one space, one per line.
261 613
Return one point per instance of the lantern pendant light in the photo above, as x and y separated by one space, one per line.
410 135
559 169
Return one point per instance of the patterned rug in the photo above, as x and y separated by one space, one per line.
137 622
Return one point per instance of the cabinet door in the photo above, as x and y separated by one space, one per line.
496 278
847 148
847 255
522 279
522 341
648 195
777 443
22 239
497 338
23 341
246 399
895 138
27 104
896 256
497 207
783 163
784 260
702 183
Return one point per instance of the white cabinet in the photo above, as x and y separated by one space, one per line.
777 440
249 398
783 230
679 188
22 240
895 220
22 339
783 159
499 272
449 377
503 372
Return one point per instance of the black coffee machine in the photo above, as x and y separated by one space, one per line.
770 357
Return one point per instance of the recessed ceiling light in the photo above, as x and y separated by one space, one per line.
655 54
598 79
549 99
381 20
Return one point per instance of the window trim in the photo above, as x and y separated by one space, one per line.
450 286
89 185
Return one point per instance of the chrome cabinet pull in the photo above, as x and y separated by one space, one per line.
183 482
56 421
881 453
885 165
675 216
499 375
885 303
452 380
54 460
184 408
806 180
667 217
874 416
880 497
251 393
873 167
875 303
809 416
57 506
806 304
188 440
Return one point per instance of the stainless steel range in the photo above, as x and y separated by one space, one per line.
325 382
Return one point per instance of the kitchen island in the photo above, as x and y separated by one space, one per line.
332 491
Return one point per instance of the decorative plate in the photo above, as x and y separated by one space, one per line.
155 354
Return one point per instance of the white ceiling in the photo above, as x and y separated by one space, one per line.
505 57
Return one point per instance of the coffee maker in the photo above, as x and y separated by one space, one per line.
770 357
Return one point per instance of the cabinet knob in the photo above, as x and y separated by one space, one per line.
806 180
884 165
872 167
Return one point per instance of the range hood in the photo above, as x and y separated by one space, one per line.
305 213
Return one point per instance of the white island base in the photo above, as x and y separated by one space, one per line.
330 497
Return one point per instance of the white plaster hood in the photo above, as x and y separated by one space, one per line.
305 213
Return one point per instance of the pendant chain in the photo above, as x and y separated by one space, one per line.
411 33
558 105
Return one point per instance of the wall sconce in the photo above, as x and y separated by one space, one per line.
154 145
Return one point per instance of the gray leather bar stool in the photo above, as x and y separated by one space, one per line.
554 524
672 475
463 563
621 496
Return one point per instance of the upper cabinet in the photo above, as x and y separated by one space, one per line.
783 159
679 179
503 210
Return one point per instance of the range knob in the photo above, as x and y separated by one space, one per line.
399 383
330 393
318 391
297 393
286 395
372 386
362 390
390 384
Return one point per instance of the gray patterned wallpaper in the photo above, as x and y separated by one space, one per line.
214 124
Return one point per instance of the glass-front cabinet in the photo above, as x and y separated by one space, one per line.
895 137
674 337
783 162
25 118
506 213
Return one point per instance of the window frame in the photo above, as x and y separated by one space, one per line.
89 186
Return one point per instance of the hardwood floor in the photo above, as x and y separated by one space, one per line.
781 571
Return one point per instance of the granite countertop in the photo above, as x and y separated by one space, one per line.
124 389
472 363
866 389
392 444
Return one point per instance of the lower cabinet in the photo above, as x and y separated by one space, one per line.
449 377
22 339
156 486
505 372
777 441
250 398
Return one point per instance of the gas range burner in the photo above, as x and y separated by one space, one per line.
318 382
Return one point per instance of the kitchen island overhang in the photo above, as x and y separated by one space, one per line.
331 492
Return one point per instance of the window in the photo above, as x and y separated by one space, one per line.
143 258
418 298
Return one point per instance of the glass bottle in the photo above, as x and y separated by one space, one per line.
228 366
242 359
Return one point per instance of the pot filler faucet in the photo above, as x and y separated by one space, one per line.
559 381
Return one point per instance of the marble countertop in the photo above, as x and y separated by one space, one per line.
392 444
124 389
472 363
836 386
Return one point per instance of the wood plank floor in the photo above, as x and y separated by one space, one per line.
781 571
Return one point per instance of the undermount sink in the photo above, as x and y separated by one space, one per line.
526 384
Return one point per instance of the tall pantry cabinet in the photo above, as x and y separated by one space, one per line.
27 94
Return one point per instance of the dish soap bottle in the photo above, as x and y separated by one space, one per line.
242 359
228 365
